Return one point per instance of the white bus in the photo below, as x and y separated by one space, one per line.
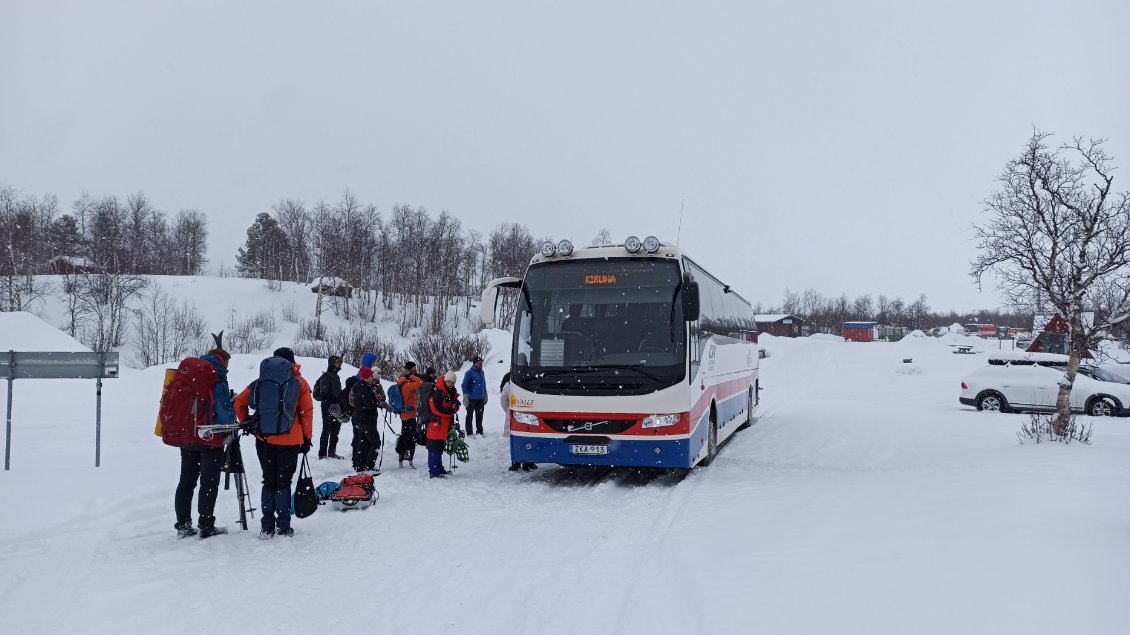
627 355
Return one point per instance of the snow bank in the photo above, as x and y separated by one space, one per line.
22 331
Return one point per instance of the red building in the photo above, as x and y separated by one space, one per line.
859 331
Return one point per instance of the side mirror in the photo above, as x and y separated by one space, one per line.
690 300
490 297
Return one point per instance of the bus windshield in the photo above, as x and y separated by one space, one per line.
599 315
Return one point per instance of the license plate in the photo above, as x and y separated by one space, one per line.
590 450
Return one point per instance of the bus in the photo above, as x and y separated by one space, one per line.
626 355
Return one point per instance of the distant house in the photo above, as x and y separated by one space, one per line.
859 331
1052 334
70 265
331 286
779 324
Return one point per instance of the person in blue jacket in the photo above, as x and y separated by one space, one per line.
475 396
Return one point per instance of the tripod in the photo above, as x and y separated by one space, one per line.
233 465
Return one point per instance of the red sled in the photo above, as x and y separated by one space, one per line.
356 492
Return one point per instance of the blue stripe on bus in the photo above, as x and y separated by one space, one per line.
672 452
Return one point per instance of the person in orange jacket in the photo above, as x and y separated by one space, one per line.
278 454
409 383
444 403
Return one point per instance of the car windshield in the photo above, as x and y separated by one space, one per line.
1102 375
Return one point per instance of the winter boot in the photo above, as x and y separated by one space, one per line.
266 534
185 529
208 532
401 463
287 533
515 466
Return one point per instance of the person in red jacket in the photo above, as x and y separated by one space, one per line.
409 382
278 454
444 403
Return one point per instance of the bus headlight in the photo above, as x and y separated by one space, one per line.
651 244
565 248
548 249
525 418
660 421
632 244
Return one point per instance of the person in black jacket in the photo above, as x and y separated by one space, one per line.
330 394
368 399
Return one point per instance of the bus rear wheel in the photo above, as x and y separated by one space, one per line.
748 411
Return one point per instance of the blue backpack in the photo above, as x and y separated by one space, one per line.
327 489
395 401
275 396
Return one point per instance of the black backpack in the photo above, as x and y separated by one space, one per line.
424 411
345 392
319 391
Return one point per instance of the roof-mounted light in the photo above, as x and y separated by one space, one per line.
632 244
651 244
548 249
565 248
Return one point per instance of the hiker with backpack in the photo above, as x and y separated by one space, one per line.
327 390
444 404
284 427
475 395
368 358
407 385
423 405
367 398
196 400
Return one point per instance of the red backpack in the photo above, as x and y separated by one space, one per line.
188 404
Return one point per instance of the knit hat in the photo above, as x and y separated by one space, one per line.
476 359
409 365
284 353
449 376
430 371
365 373
221 355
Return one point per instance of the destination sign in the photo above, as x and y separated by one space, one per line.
600 279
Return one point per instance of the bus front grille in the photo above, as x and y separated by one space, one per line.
590 426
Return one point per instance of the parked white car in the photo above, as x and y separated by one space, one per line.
1019 385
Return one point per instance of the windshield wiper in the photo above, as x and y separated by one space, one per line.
639 369
567 371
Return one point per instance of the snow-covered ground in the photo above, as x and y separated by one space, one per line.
865 500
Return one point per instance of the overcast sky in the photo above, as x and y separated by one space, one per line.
843 146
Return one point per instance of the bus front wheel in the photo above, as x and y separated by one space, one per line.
711 439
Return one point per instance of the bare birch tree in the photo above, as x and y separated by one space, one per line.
1058 231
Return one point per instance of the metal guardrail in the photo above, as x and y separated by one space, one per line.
49 365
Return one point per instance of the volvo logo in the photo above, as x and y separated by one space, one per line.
588 426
